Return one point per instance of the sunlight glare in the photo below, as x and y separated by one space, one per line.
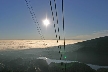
46 22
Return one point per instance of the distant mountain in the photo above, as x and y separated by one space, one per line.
93 51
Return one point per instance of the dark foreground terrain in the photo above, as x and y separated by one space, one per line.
39 65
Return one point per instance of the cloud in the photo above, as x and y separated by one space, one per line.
92 36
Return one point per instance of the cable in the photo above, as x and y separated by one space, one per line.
58 28
63 26
33 15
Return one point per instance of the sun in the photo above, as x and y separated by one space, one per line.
46 22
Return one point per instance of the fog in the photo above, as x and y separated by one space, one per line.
27 44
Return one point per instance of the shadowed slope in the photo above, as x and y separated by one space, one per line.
93 51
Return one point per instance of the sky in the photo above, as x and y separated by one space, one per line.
84 19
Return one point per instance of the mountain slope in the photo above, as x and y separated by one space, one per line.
93 51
